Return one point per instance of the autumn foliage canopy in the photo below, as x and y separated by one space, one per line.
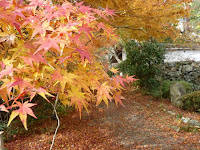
144 19
46 51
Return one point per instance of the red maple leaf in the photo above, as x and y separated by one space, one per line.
100 13
37 2
42 92
109 12
17 26
22 84
66 29
38 57
7 71
56 75
87 30
46 44
76 39
84 9
119 80
130 79
5 4
41 28
84 54
2 65
79 4
101 26
62 60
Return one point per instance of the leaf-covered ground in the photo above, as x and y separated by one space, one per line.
143 124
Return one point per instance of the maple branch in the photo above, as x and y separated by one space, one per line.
91 39
128 27
150 17
125 27
1 29
125 11
12 97
54 136
13 93
6 54
50 65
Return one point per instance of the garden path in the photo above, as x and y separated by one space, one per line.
142 124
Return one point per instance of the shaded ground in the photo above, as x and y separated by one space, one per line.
142 124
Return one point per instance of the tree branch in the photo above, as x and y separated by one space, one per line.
128 27
54 136
125 11
96 36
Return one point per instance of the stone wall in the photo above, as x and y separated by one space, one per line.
185 70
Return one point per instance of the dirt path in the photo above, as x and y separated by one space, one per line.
142 124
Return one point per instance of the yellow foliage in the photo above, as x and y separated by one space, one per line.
143 19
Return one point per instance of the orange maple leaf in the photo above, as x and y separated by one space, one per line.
118 98
24 109
103 93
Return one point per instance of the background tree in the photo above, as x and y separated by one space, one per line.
145 61
143 19
194 19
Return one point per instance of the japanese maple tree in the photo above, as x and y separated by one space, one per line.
47 50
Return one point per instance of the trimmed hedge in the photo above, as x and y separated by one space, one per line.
191 101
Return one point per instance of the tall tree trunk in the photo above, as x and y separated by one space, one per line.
123 54
112 50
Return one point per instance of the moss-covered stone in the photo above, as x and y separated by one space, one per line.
165 87
191 101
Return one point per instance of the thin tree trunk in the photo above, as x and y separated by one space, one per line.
1 141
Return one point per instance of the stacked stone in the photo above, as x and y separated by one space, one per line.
187 70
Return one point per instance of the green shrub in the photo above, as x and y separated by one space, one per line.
144 60
165 87
191 101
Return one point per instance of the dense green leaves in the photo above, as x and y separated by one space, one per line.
144 60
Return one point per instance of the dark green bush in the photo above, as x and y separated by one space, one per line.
165 87
191 101
144 60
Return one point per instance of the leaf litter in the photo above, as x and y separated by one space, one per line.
141 124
